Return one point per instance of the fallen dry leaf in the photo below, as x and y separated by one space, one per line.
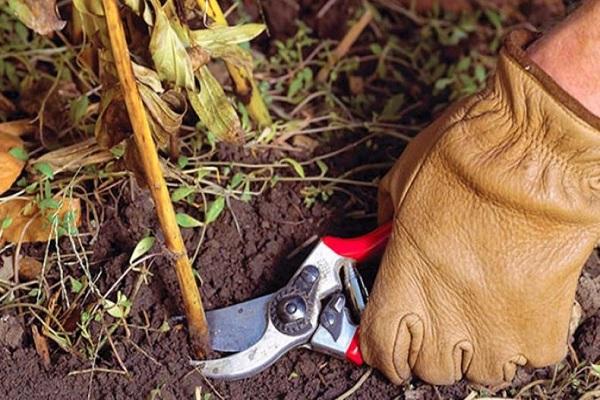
71 319
356 84
33 225
11 332
11 166
305 142
29 268
7 269
112 125
17 127
41 346
39 15
55 99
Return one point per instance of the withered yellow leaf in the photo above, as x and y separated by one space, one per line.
11 166
214 109
166 112
226 35
37 226
170 58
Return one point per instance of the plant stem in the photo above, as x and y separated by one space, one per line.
194 311
346 43
245 85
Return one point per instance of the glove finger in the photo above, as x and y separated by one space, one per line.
385 205
496 370
451 359
394 355
409 339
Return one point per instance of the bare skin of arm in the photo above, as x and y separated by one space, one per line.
570 54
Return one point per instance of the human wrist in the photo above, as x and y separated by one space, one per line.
570 54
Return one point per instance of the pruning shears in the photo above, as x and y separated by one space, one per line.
319 308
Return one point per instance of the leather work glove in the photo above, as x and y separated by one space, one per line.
496 206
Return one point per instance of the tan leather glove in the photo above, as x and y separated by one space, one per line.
496 207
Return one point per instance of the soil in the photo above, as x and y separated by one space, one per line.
245 254
235 265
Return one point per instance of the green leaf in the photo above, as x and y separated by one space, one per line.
120 309
376 49
21 31
79 108
494 17
49 203
214 109
302 80
47 190
118 150
168 52
225 35
202 172
44 169
296 166
392 107
181 193
463 64
187 221
307 74
39 15
19 153
31 187
596 369
164 327
6 222
214 210
295 86
322 167
11 74
246 193
480 73
76 285
182 162
236 180
441 84
142 248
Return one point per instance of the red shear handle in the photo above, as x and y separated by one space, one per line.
363 247
353 353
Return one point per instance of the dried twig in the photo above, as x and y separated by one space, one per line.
356 386
191 296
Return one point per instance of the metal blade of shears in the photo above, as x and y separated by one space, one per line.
238 327
272 345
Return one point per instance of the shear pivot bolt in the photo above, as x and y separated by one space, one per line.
291 309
